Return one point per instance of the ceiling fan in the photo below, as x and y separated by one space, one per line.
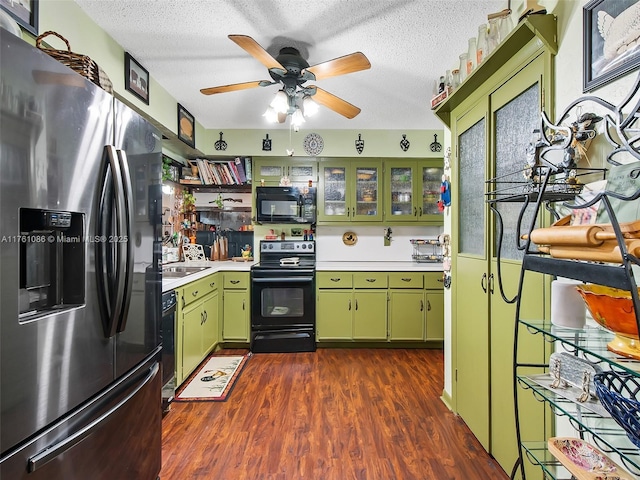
292 71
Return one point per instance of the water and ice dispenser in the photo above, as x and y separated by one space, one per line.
52 261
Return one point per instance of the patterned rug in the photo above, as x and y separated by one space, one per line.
214 380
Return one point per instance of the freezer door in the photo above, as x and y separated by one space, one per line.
115 436
139 146
55 124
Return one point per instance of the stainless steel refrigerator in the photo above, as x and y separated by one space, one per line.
80 279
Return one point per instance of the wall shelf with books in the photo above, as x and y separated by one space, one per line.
226 172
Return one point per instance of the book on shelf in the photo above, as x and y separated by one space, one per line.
191 180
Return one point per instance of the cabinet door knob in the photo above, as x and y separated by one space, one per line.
491 284
428 306
335 279
421 305
356 304
371 280
420 210
243 302
349 304
415 212
195 293
234 281
212 284
483 282
405 279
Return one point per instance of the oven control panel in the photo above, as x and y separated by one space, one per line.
288 246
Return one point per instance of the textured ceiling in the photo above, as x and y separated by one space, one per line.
410 43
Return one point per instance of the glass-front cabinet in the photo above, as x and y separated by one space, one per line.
350 191
412 191
272 170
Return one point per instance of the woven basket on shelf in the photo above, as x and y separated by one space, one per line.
619 394
79 63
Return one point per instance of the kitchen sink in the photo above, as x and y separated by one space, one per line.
180 271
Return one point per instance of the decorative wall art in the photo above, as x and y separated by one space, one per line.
435 145
610 31
404 143
186 127
221 144
313 144
266 143
359 144
136 78
24 12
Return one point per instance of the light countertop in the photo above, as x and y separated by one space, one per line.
378 266
229 266
213 267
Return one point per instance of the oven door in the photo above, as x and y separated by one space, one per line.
283 298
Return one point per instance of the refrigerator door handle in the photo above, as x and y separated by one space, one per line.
125 240
111 285
49 453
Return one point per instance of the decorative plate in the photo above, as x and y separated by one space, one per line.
349 238
313 144
584 461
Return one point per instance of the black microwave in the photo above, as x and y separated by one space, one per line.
286 204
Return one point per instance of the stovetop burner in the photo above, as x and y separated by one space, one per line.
286 254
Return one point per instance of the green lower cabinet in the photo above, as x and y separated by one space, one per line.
370 315
210 322
380 306
235 317
334 315
407 315
191 338
435 315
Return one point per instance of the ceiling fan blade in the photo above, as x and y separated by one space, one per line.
353 62
336 104
254 49
231 88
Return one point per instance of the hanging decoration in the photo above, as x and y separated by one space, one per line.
221 144
435 145
445 194
359 144
447 160
404 143
266 143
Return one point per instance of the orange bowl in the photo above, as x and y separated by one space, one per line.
611 307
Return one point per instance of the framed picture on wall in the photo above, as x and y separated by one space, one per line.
136 78
25 12
186 127
610 49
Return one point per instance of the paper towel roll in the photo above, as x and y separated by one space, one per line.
567 307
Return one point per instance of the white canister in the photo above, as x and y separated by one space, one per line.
567 307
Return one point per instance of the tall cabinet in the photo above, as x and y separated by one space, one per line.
492 116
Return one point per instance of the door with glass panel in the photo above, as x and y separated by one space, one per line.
471 279
515 112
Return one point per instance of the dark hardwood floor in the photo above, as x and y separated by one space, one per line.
335 414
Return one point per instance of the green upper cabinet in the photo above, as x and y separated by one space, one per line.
412 191
350 191
271 170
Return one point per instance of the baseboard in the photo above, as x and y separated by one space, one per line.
447 400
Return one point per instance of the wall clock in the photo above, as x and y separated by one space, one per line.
313 144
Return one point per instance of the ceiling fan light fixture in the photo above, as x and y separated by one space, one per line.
297 118
309 106
271 115
280 102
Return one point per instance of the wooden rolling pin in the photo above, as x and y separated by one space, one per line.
576 235
607 252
